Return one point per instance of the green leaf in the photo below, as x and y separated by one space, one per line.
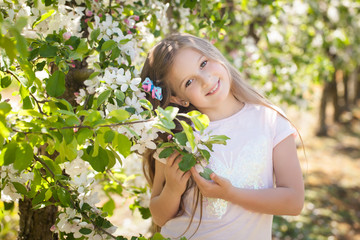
9 47
27 103
5 81
85 231
64 197
23 157
169 112
181 138
158 236
109 207
146 104
103 97
108 45
168 124
119 114
206 173
82 48
99 162
145 212
55 86
27 68
43 17
189 133
39 197
95 34
48 51
20 188
166 153
109 136
187 162
119 95
205 154
53 166
112 159
201 121
190 4
83 134
9 152
5 108
122 144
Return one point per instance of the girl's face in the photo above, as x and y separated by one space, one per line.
203 82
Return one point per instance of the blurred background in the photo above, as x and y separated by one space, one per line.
304 56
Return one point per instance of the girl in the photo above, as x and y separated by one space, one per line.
256 175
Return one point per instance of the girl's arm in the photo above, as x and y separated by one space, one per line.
169 184
286 199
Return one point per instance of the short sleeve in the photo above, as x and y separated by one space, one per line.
156 156
283 129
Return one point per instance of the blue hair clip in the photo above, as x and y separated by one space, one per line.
148 86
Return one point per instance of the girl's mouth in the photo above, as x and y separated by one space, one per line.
214 89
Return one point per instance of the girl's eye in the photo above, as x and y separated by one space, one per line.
188 83
203 64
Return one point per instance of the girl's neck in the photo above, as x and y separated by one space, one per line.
229 108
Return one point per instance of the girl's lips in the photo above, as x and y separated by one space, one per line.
214 89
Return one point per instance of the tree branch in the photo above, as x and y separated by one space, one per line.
37 102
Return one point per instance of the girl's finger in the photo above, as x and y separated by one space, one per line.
171 159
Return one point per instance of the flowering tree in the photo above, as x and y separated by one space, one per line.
81 119
82 112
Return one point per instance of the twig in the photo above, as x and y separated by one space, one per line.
37 102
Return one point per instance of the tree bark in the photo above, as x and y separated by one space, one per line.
322 127
357 86
36 224
335 98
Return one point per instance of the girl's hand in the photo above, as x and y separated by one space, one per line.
219 188
175 179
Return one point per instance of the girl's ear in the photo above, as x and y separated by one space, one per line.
179 101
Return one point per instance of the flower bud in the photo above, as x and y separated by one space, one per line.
67 35
88 13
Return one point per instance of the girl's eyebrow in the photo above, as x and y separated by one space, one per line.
201 56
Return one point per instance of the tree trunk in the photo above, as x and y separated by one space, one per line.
346 91
357 86
322 128
335 98
36 224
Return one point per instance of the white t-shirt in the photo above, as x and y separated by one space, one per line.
247 162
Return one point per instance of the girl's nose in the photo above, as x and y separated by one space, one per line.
206 79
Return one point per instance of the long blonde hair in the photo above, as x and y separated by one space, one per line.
157 66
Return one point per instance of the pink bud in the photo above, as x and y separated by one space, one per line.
75 130
53 228
86 20
7 100
67 35
71 47
100 15
129 32
96 0
194 12
88 13
126 21
169 137
213 41
72 65
134 27
136 18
